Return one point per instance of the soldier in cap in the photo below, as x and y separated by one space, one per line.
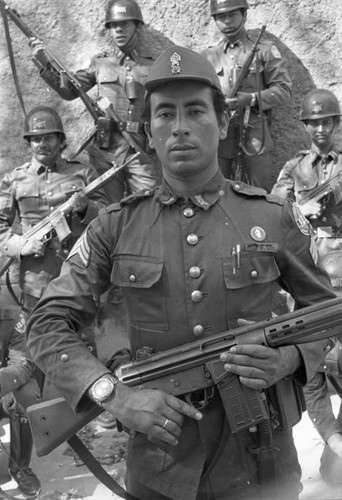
119 75
266 86
197 256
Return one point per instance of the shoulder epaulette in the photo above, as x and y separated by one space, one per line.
140 195
304 152
256 192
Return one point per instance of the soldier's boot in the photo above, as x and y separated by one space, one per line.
20 455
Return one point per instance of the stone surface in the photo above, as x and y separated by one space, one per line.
307 32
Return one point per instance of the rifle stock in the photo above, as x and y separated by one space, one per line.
181 370
56 220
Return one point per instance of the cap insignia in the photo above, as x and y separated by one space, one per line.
175 59
38 124
316 108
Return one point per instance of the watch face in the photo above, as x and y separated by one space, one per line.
102 389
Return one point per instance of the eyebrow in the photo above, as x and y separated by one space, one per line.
193 102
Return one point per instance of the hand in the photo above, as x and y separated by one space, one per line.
335 443
152 412
259 367
311 208
79 202
33 247
36 45
241 100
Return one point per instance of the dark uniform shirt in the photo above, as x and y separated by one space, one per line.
174 260
32 192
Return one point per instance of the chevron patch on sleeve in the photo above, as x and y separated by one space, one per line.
82 249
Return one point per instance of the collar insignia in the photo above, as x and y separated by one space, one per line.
175 67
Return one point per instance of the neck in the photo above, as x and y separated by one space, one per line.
187 186
323 149
131 45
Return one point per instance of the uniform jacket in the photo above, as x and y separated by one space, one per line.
173 259
317 394
275 83
31 193
109 72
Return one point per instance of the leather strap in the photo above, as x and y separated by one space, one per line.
96 468
11 56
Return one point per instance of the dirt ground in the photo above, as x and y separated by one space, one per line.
64 477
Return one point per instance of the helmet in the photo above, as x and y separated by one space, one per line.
179 63
220 6
332 263
42 120
123 10
319 103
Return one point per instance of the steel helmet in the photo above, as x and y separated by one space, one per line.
220 6
123 10
42 120
319 103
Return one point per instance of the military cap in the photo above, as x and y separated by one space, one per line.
179 63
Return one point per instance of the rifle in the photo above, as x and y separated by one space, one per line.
328 186
194 366
66 76
56 221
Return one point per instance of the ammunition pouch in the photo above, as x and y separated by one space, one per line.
287 403
106 127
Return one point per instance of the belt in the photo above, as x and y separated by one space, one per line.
135 127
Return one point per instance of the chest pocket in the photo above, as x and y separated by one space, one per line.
107 75
72 187
141 281
27 191
251 287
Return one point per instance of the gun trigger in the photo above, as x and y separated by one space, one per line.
64 80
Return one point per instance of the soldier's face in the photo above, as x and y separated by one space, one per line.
229 22
122 32
184 128
46 148
321 131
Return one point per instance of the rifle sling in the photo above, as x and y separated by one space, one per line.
11 291
11 56
96 468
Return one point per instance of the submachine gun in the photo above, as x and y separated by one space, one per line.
194 366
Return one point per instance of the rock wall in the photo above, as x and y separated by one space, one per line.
308 33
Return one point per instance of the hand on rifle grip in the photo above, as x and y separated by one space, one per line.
36 45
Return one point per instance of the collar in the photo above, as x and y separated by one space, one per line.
239 43
214 190
39 168
316 156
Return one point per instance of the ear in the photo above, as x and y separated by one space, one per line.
148 133
223 125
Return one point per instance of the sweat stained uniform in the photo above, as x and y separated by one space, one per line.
120 79
173 259
275 85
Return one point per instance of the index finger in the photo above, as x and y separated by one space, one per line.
183 408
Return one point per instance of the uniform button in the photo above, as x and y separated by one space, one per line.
198 330
254 274
192 239
195 272
132 278
324 367
52 208
237 186
196 296
64 357
221 192
188 212
49 193
15 381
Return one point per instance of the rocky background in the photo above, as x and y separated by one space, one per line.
308 34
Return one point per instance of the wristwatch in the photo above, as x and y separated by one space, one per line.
102 389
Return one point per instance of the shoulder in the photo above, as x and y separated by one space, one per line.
265 45
252 192
131 200
296 160
214 47
17 171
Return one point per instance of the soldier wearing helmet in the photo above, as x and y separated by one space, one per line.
266 86
195 256
28 194
302 176
119 75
